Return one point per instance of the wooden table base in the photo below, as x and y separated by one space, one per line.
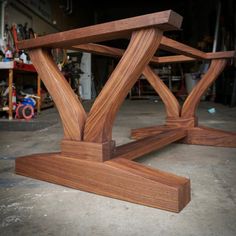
89 159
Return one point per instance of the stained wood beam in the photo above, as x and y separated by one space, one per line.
117 178
146 145
116 52
180 48
165 20
144 132
211 137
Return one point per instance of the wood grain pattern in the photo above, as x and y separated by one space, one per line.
87 151
220 55
211 137
144 132
171 104
192 101
117 178
70 109
116 52
146 145
182 121
85 161
180 48
99 123
165 20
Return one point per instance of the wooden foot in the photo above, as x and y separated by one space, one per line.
118 178
211 137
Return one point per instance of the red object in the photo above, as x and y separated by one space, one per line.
23 66
24 112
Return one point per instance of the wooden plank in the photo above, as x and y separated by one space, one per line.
182 122
146 145
144 132
99 49
180 48
121 179
98 127
172 59
165 20
211 137
116 52
220 55
86 150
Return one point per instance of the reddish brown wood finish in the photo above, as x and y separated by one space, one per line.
99 123
87 151
118 178
116 52
165 20
89 159
170 101
140 133
146 145
70 109
211 137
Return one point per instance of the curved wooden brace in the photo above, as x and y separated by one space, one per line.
98 127
71 111
192 101
171 104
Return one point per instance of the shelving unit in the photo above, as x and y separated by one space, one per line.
16 67
143 90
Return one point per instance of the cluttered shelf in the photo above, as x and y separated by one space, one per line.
142 89
17 103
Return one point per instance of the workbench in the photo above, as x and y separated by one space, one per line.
89 159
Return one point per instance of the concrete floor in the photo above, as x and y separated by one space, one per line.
32 207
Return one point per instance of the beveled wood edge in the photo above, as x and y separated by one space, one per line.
164 20
144 132
151 187
207 136
148 144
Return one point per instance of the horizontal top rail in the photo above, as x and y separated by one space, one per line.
164 20
116 52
